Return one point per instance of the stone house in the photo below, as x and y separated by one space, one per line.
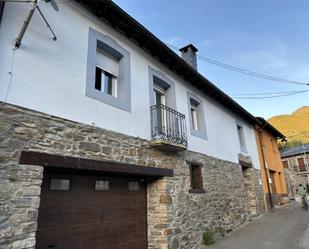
272 171
110 139
296 167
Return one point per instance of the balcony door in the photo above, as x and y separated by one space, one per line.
159 96
160 117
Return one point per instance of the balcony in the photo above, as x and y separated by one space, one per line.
168 128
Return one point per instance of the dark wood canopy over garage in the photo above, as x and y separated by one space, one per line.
87 204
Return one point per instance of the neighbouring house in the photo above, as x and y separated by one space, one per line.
109 139
296 166
272 172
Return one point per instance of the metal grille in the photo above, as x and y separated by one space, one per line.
168 124
196 177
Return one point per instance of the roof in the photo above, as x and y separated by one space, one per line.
295 150
113 15
185 48
272 130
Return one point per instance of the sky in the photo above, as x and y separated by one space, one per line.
266 36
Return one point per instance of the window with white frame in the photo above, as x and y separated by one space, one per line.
107 73
241 138
196 116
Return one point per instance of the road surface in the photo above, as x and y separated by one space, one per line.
284 228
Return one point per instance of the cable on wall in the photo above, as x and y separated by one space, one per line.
10 75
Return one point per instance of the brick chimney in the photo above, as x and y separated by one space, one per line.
188 53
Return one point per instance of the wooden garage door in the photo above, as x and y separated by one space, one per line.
82 212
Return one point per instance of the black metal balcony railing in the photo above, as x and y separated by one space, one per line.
168 124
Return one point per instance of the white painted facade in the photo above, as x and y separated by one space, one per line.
50 77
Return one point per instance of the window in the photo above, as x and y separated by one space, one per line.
162 100
285 164
196 116
301 164
241 138
106 82
107 71
159 118
133 186
59 184
196 178
162 89
159 96
102 185
108 77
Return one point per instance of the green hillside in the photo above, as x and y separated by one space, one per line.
295 126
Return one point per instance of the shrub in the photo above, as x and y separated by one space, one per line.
208 237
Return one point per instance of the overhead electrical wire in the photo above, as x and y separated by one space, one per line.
265 93
273 96
244 71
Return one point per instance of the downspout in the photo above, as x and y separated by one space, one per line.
1 10
264 164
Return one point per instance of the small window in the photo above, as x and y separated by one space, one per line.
241 137
133 186
301 164
106 82
194 118
102 185
285 164
59 184
196 179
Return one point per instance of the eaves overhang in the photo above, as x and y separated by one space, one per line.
272 130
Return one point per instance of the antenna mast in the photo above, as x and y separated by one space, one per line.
26 23
33 7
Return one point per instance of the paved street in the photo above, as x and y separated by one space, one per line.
285 228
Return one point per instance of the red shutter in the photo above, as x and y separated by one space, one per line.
301 164
285 164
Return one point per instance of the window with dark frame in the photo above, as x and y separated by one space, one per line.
301 164
196 178
285 164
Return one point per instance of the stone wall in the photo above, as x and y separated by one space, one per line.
253 191
292 177
176 218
